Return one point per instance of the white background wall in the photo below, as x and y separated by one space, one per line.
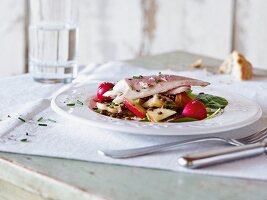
123 29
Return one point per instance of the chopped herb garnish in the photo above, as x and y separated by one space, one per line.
21 119
8 116
157 81
24 140
138 77
42 124
160 73
170 105
51 120
70 104
131 87
97 110
40 119
79 102
27 133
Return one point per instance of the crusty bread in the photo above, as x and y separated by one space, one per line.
238 66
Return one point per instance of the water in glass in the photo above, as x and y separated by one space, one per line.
53 52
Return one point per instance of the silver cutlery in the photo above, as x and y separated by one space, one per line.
129 153
212 157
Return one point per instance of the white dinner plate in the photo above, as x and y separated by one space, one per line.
240 112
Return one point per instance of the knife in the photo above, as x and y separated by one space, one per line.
208 158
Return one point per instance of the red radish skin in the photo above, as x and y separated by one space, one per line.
136 109
182 99
195 109
102 88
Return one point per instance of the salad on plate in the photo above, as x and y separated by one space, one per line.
157 98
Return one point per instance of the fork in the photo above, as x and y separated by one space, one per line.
129 153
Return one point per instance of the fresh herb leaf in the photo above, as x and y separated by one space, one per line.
211 101
40 119
192 95
24 140
70 104
21 119
137 77
51 120
158 81
40 124
189 91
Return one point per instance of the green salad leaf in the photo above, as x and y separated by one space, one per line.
185 119
211 101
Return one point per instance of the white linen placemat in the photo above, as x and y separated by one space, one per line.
21 96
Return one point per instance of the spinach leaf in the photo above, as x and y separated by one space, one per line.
211 101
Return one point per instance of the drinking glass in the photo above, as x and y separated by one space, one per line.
53 40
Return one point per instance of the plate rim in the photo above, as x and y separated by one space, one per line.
144 131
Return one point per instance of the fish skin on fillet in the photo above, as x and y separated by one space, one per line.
144 86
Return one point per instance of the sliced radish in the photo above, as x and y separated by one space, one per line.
103 88
195 109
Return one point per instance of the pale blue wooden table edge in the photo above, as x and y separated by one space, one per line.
36 177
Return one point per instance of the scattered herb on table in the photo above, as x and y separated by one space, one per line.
24 140
40 119
70 104
79 102
51 120
42 124
21 119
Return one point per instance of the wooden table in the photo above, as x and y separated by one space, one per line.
25 177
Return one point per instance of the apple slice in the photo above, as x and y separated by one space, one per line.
158 101
195 109
136 108
101 106
182 99
114 109
159 114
